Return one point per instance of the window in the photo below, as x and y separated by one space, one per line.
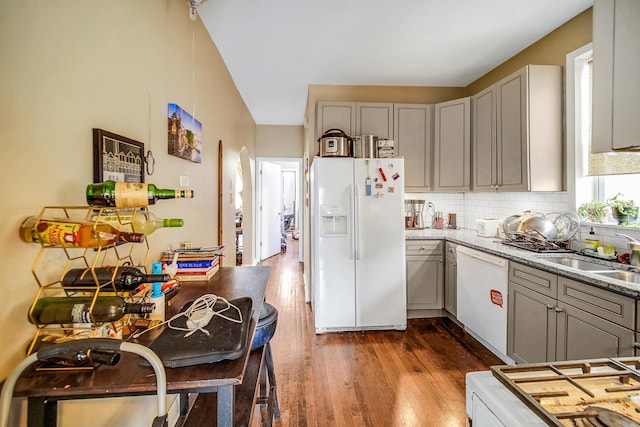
602 176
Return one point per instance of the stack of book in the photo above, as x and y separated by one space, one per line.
194 264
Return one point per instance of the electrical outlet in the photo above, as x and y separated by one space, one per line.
184 181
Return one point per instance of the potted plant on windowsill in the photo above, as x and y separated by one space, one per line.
624 211
593 211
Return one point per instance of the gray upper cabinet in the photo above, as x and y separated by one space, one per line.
485 172
452 145
355 118
374 118
408 125
616 77
517 132
412 139
335 115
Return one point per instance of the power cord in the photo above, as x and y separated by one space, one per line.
199 314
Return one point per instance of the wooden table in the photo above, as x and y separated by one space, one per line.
128 377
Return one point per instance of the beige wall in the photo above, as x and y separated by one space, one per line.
71 65
279 141
552 49
397 94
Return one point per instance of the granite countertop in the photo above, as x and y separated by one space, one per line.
493 245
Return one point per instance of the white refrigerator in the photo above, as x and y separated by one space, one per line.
358 273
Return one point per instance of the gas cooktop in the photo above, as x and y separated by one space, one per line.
598 392
537 245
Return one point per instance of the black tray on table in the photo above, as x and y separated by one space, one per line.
226 340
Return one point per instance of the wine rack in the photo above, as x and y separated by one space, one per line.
54 261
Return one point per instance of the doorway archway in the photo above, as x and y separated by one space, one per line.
246 174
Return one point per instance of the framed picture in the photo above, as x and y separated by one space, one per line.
184 134
117 158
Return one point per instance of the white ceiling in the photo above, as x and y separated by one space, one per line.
275 48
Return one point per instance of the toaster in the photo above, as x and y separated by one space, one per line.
487 227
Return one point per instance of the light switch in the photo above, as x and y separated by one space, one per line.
184 181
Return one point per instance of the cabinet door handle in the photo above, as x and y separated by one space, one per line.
549 307
636 345
558 309
454 264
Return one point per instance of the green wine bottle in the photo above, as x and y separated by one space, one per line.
130 194
50 310
124 278
142 221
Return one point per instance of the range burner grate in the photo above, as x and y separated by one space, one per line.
537 246
577 393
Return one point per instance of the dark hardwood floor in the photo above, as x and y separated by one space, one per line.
392 378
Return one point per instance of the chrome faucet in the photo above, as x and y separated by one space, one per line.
634 245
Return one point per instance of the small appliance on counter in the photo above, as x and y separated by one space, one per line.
414 214
487 227
335 143
452 222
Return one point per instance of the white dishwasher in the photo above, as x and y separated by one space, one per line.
482 286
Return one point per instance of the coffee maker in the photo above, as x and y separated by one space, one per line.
414 214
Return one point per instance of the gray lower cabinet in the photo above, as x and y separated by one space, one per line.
636 344
425 268
531 327
450 278
593 322
554 318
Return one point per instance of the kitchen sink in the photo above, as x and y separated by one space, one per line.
627 276
579 264
601 269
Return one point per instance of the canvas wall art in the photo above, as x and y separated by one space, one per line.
184 135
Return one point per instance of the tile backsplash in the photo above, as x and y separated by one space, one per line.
472 206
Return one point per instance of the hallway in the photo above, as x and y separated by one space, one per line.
391 378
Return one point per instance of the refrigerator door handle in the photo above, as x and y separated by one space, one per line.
352 243
356 222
